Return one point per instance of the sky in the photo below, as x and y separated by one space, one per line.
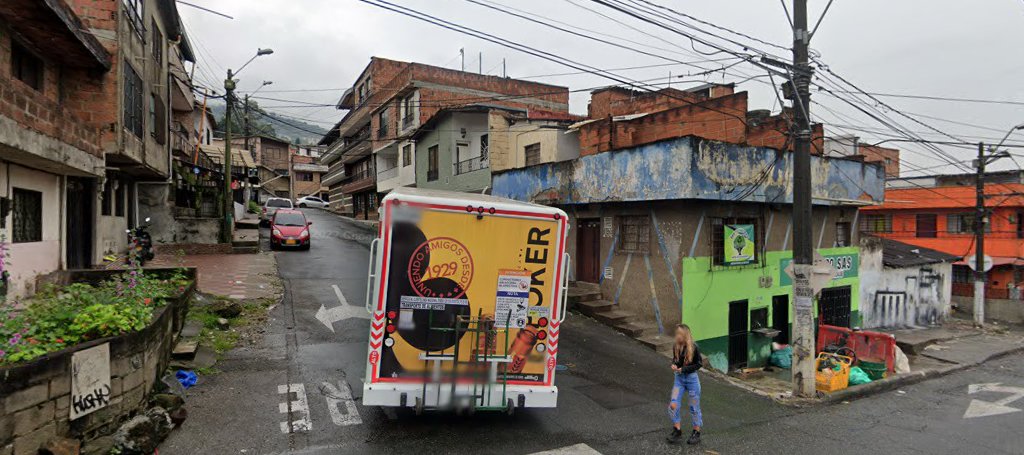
941 48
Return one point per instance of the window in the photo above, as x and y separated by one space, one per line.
432 163
157 46
108 197
927 226
735 225
484 145
962 274
119 198
876 223
28 216
133 9
843 233
406 155
304 176
26 67
636 234
152 115
132 100
382 124
363 93
533 154
963 223
408 113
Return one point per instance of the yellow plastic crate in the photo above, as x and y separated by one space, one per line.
826 377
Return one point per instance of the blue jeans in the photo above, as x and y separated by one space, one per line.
690 385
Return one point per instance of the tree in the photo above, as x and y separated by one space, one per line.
257 122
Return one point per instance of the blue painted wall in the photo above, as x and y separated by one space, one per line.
689 168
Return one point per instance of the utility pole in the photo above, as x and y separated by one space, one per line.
480 63
979 239
803 252
245 120
226 227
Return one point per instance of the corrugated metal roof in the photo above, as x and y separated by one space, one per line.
898 254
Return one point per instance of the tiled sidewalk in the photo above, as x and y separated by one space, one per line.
237 276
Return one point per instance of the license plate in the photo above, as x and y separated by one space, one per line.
291 242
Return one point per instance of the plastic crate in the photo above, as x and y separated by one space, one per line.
826 377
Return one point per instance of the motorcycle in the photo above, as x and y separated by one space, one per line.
140 244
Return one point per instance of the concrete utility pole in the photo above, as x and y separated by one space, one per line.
245 122
979 239
803 252
228 221
227 225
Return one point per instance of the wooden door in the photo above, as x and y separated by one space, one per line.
588 254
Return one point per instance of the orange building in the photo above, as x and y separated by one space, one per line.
942 218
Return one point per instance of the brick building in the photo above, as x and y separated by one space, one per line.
665 184
306 172
50 159
389 102
938 213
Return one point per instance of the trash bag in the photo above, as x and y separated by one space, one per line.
858 376
783 358
186 378
902 363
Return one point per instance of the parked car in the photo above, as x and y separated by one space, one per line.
311 201
289 229
270 208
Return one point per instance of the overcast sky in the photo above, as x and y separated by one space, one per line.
940 48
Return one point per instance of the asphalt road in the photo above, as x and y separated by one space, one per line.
298 392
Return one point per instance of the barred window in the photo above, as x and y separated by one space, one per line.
843 233
636 234
28 216
876 223
132 100
963 223
533 154
962 274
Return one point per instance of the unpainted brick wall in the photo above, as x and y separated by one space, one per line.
49 110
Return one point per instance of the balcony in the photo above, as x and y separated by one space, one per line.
358 181
470 165
388 173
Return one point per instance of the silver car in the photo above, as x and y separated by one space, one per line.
270 208
311 201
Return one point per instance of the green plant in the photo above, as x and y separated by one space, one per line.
253 207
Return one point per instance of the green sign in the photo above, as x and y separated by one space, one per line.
845 264
739 244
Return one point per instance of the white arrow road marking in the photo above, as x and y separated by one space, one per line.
979 408
578 449
300 407
338 397
328 316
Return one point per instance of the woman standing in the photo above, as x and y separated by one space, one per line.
686 360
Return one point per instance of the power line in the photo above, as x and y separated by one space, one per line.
943 98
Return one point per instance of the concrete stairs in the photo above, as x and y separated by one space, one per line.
587 299
246 237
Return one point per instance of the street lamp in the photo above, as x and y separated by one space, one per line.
980 220
229 87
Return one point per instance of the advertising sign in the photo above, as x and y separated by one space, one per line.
446 265
739 244
846 266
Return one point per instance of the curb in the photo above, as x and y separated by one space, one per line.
894 382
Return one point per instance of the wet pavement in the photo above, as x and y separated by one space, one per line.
298 392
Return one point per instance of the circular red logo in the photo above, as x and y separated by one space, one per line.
441 257
374 357
551 363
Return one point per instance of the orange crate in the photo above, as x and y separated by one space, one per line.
826 377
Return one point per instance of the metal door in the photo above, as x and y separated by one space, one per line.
588 245
738 329
834 306
79 219
780 318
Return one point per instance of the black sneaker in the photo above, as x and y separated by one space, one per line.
694 438
675 436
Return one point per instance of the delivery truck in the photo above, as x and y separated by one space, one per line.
466 295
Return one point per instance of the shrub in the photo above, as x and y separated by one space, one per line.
58 317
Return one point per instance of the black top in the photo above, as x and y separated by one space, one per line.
694 364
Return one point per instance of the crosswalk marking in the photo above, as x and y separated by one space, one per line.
577 449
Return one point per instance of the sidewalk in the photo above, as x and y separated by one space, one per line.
932 352
236 276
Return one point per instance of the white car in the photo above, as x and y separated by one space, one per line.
310 201
270 208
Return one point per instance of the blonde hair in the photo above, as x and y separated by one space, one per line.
687 348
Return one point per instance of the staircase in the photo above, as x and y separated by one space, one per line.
246 237
587 299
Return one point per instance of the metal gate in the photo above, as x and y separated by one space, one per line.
834 306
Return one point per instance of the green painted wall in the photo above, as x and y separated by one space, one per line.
707 293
